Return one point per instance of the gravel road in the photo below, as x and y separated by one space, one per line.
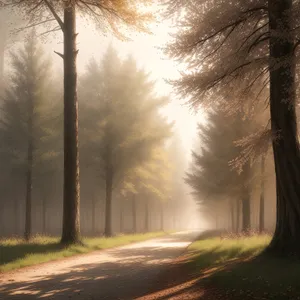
123 273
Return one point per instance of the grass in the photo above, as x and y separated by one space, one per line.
234 268
15 253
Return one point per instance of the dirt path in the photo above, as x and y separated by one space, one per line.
126 272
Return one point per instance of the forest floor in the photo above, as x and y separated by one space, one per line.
229 269
126 272
15 253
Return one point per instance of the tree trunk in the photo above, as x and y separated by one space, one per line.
284 126
2 45
17 217
121 217
162 217
1 61
246 225
28 219
94 215
71 212
232 215
134 223
238 214
44 215
108 202
147 216
262 197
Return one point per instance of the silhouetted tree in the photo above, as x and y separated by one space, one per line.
23 116
126 111
210 175
256 40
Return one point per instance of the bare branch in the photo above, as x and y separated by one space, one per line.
231 72
55 15
57 28
252 34
259 40
33 25
59 54
230 25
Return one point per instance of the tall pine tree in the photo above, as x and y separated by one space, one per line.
25 108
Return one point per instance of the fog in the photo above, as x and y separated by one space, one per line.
133 210
202 190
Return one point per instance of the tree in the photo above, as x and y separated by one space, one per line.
22 123
2 45
210 175
284 126
126 110
7 21
262 196
151 181
256 39
47 12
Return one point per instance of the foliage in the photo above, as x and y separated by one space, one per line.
210 175
114 15
152 178
125 110
30 84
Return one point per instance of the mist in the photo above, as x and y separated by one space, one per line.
170 207
149 149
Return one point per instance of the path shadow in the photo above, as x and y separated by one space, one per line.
246 278
125 274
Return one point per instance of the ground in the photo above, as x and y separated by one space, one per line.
229 268
128 272
16 253
166 268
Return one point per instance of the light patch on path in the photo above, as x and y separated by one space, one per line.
120 273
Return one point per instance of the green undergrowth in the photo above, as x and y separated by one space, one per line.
16 253
235 268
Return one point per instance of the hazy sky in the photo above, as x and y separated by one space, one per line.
145 49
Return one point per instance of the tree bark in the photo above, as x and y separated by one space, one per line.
1 61
2 45
262 196
108 202
71 213
284 126
134 221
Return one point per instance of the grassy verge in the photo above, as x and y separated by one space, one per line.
233 268
15 253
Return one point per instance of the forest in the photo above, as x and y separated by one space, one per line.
99 154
